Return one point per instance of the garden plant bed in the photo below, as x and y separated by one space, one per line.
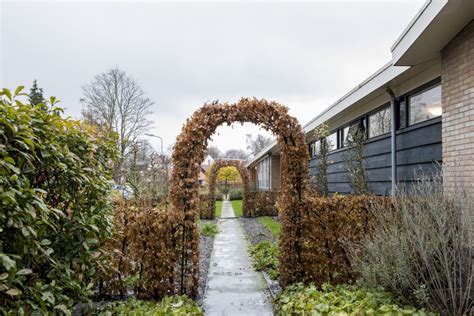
205 250
257 233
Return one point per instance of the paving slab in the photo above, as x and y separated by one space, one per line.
233 286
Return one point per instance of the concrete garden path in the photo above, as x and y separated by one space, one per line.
233 286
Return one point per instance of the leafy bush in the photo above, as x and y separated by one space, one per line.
55 208
265 257
171 305
299 299
209 229
236 194
423 250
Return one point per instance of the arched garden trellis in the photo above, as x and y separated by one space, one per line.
188 153
244 174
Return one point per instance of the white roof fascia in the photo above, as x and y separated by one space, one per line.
419 23
380 78
263 152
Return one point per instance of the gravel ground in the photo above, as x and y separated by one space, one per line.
205 249
256 233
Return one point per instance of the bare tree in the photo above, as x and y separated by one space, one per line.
116 101
214 152
254 146
235 154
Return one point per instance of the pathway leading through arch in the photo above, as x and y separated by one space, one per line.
233 286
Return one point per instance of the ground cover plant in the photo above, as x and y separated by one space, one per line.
56 211
237 207
265 257
172 305
300 299
209 229
272 225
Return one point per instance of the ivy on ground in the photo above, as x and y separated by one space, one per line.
299 299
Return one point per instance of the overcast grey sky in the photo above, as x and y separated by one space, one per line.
304 55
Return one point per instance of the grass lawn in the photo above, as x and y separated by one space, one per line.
271 224
218 209
237 206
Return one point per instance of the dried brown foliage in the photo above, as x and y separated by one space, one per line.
330 224
189 152
244 174
263 203
141 256
207 205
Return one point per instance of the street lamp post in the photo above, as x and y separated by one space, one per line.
161 139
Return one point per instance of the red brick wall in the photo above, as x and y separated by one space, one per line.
457 77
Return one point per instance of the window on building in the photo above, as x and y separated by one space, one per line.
380 122
263 174
424 105
314 149
332 141
402 119
348 133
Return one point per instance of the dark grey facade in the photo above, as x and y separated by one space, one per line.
419 151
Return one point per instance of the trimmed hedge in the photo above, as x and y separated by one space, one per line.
141 256
329 223
263 203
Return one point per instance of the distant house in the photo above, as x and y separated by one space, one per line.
427 120
207 163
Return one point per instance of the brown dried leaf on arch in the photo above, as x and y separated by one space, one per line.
188 153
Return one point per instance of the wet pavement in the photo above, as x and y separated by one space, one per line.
233 286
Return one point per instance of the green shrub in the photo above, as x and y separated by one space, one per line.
209 229
265 257
55 211
235 194
299 299
171 305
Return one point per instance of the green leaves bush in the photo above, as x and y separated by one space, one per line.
171 305
209 229
54 207
265 257
299 299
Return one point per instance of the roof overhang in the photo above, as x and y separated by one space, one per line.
435 25
378 80
272 147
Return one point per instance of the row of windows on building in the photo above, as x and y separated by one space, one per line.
420 106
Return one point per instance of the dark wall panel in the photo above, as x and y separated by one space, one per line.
419 152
